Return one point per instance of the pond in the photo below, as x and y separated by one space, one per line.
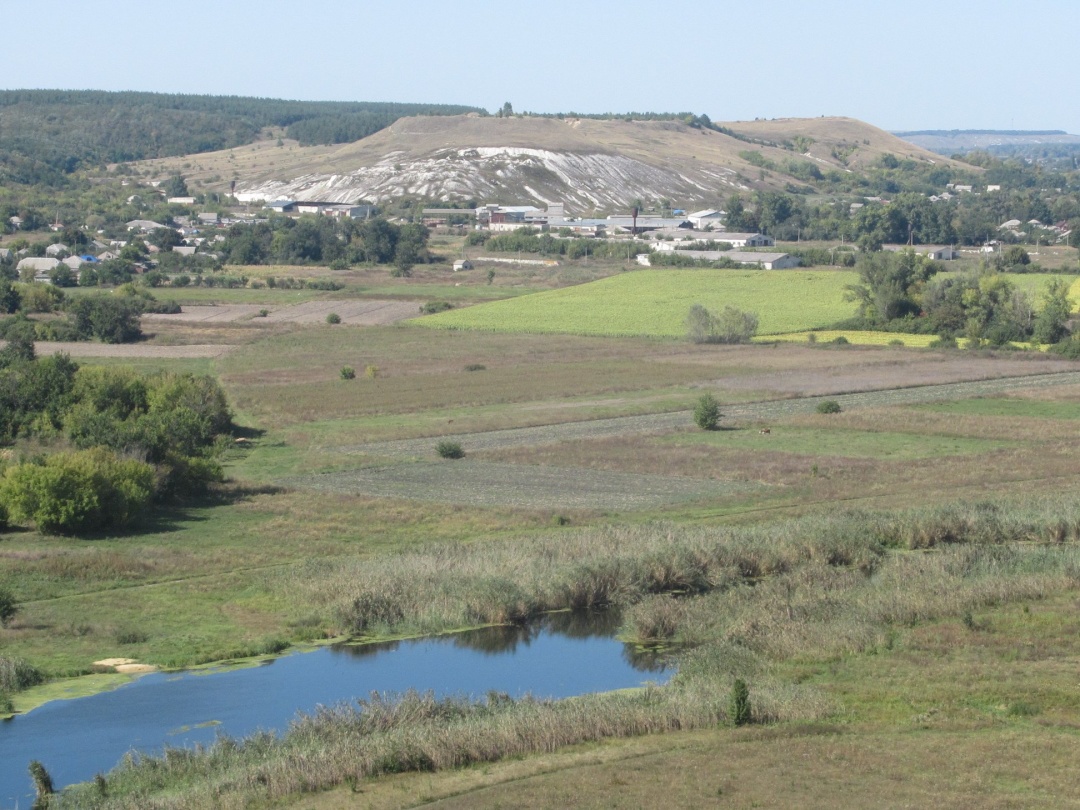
563 655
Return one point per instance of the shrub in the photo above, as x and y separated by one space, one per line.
943 342
707 412
730 326
840 340
17 674
77 492
828 406
348 373
333 318
740 703
263 313
43 785
432 307
475 367
8 607
371 372
449 449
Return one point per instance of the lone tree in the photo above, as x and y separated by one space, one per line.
707 412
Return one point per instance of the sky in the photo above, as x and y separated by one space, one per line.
897 64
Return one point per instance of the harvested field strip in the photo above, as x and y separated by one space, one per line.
655 302
135 350
209 313
359 312
490 484
663 422
841 443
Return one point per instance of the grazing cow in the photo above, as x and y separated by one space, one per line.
764 431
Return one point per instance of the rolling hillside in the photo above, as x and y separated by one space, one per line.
591 165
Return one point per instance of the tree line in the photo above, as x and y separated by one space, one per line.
49 134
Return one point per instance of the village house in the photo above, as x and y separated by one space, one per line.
57 249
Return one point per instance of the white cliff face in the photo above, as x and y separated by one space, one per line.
583 181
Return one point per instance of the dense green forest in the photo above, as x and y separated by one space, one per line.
45 135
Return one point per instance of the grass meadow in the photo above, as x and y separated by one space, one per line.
896 582
654 303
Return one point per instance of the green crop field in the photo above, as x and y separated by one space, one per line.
655 302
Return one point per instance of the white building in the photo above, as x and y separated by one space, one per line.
710 216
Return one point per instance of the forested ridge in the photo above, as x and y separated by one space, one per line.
48 134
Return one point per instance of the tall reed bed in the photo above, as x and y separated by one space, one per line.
416 732
449 587
749 598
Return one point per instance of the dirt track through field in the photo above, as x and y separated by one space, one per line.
756 411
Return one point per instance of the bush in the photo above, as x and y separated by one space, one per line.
840 340
740 703
730 326
943 342
78 492
348 373
333 318
475 367
707 412
828 406
17 674
8 608
263 313
432 307
449 449
371 372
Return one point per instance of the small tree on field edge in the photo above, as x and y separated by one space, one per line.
8 607
707 412
740 703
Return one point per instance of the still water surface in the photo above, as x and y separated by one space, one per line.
564 655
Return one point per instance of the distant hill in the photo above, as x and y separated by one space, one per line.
1028 143
591 164
46 134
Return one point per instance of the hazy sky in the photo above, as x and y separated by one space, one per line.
898 64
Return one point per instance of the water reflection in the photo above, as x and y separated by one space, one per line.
562 655
507 639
